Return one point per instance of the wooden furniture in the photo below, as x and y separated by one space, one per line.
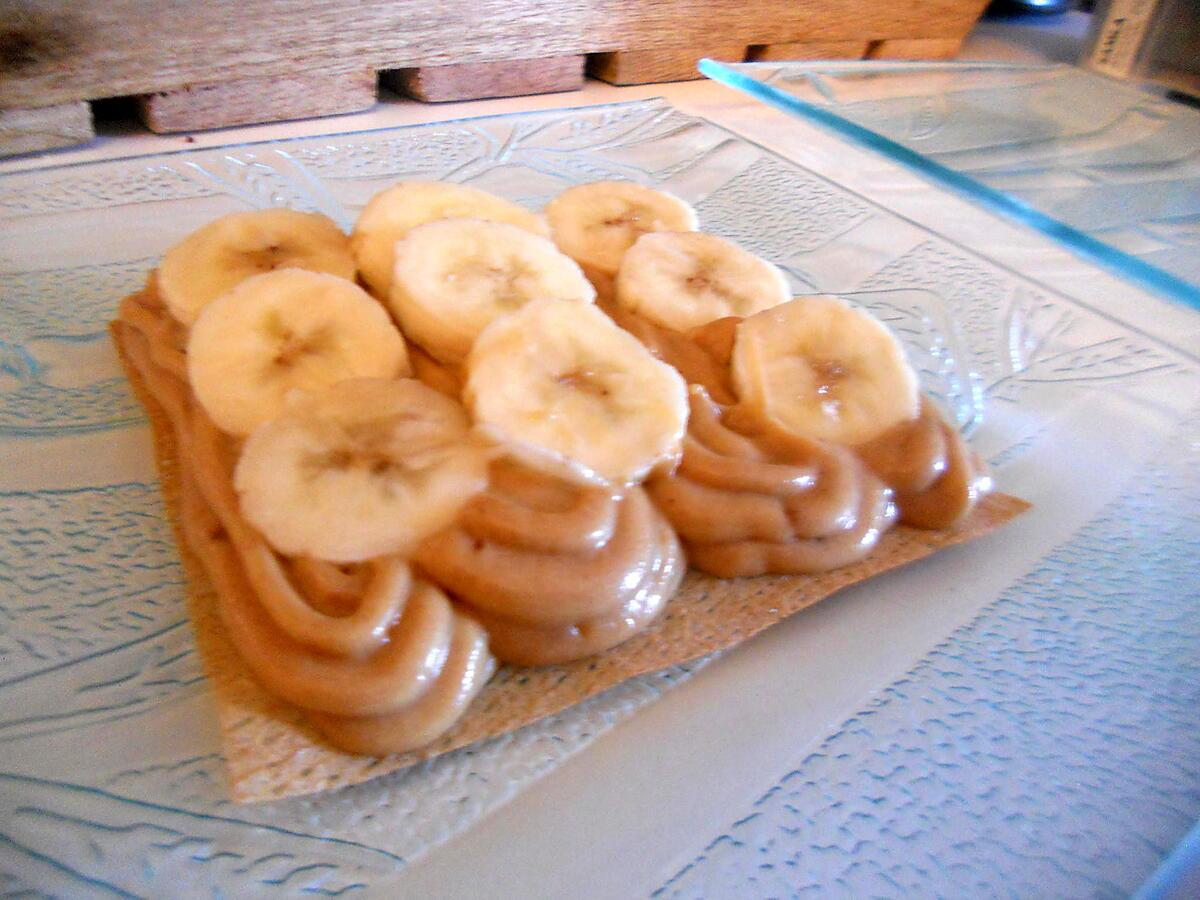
209 65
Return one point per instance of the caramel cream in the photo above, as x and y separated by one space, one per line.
554 570
701 356
749 498
937 478
380 660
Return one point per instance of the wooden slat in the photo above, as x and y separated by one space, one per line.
652 66
30 130
54 52
809 50
909 48
253 100
476 81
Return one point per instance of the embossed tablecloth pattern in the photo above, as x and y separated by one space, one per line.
110 777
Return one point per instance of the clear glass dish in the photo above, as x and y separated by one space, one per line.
1109 171
1050 740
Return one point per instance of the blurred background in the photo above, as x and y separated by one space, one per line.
137 66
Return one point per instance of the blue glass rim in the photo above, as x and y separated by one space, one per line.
1132 269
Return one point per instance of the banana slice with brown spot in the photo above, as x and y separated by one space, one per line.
392 213
455 276
822 368
566 390
683 280
596 223
210 261
365 468
286 331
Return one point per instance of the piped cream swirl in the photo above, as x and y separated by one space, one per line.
554 570
750 498
380 660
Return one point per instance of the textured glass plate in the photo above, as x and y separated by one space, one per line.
1054 744
1111 171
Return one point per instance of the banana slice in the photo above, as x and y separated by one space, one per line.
235 247
823 369
453 277
365 468
569 392
687 279
596 223
285 331
392 213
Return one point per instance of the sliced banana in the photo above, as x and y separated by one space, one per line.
455 276
365 468
824 369
568 391
210 261
596 223
281 332
687 279
390 215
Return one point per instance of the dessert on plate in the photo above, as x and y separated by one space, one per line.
408 463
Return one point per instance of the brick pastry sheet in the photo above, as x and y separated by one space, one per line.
272 753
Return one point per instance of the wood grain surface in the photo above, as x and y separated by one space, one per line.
54 52
652 66
476 81
250 100
30 130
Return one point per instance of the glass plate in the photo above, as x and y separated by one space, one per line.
1053 743
1111 172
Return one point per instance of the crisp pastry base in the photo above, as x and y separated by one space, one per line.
271 752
